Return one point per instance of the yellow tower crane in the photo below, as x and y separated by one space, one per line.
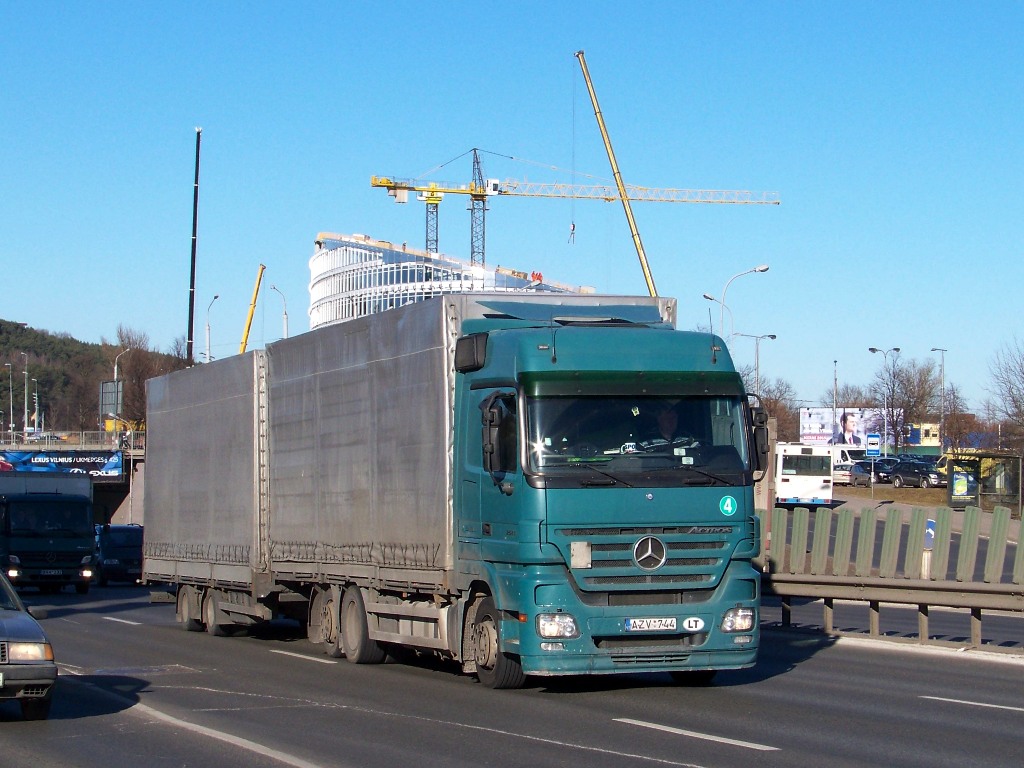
480 189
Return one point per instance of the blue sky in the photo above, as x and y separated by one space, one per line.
892 133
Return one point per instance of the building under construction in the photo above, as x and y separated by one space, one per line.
355 275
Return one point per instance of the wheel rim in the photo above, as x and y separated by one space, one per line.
328 630
486 645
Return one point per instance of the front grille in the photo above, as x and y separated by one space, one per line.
695 556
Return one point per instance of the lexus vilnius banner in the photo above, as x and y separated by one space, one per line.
101 465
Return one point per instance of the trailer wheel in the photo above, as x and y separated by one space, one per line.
211 615
327 612
186 610
355 635
494 668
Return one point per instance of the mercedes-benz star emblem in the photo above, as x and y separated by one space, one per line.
650 553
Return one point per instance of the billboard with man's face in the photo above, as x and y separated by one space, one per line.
845 425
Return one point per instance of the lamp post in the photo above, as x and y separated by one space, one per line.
118 391
885 403
942 397
10 385
215 297
285 303
721 331
721 322
757 356
131 468
35 405
24 415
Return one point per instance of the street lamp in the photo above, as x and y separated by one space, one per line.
721 323
757 356
285 303
10 385
131 467
35 402
885 403
215 297
24 415
942 398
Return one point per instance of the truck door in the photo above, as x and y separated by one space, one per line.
491 471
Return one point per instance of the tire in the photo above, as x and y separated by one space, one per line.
189 622
355 635
897 481
494 668
327 614
925 483
211 615
35 709
695 678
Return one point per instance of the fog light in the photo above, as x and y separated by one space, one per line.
87 573
13 573
742 640
552 646
738 620
557 625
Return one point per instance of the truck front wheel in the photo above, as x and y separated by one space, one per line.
355 635
494 668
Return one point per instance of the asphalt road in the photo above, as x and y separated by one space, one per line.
136 690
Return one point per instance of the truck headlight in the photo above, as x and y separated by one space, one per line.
87 560
14 560
557 625
738 620
29 652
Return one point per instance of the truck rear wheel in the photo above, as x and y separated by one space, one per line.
494 668
187 617
211 615
326 613
355 634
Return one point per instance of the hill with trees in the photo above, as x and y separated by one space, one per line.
67 373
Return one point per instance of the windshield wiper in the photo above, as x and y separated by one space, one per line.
592 483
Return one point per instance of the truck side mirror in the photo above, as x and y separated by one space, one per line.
498 437
759 418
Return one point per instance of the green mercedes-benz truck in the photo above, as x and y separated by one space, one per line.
527 484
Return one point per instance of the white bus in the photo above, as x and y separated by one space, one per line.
803 474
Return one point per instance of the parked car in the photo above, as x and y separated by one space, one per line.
27 668
862 473
883 466
916 473
118 553
841 474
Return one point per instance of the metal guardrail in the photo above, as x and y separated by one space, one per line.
89 440
922 558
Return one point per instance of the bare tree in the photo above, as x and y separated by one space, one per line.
1007 371
779 398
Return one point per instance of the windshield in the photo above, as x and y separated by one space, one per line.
619 436
48 518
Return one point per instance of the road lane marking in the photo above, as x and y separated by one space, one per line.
974 703
305 658
697 735
138 708
123 621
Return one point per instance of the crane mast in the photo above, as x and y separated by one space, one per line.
637 242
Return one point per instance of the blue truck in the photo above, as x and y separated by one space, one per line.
526 484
